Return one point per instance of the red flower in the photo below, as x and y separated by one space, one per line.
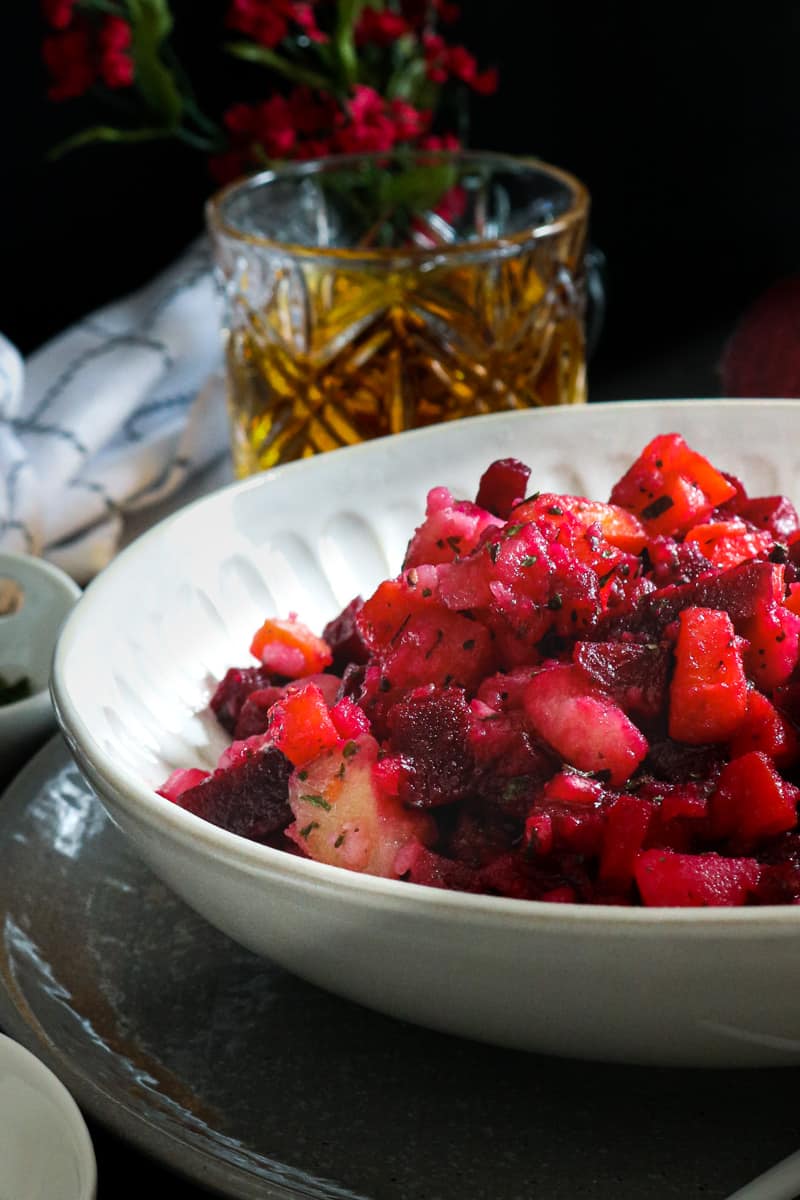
440 141
409 122
380 28
443 62
267 21
116 64
84 55
436 64
370 127
58 13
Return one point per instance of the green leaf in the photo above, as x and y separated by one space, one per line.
348 12
105 133
276 62
151 23
416 190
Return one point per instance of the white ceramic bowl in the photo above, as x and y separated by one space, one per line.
35 597
136 662
45 1149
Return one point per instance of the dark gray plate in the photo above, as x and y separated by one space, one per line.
254 1083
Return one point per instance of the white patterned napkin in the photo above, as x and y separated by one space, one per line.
110 416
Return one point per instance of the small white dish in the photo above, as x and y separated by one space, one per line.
35 597
45 1149
137 660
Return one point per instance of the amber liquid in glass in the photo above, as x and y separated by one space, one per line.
336 355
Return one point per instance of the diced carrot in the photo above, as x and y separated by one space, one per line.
671 487
727 543
289 648
708 693
301 726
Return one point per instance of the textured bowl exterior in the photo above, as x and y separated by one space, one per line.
138 658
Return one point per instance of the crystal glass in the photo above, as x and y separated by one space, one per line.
369 294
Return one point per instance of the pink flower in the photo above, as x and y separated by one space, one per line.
84 55
114 42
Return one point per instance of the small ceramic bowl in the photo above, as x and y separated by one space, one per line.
35 597
45 1149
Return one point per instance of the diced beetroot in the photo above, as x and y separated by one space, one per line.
344 639
741 591
626 824
675 563
180 781
751 801
439 647
238 751
669 880
708 693
502 485
290 648
249 798
539 835
254 715
765 729
774 645
775 514
569 788
635 674
232 691
350 720
506 690
301 725
678 762
671 487
451 528
430 730
582 724
418 864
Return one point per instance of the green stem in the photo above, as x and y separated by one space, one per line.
276 62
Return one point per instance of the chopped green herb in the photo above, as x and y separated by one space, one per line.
349 749
659 506
426 592
306 830
454 543
338 841
555 510
511 530
555 602
302 776
528 560
494 550
317 801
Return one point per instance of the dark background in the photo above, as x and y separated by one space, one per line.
684 122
